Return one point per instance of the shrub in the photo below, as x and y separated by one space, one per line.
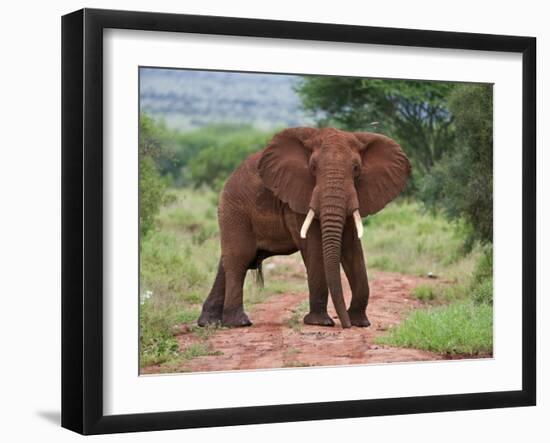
152 188
483 293
213 164
152 194
462 182
482 281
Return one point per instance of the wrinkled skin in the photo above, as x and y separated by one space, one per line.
264 204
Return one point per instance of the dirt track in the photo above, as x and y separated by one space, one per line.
273 342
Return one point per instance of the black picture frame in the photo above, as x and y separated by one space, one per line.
82 219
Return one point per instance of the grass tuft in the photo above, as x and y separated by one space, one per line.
296 320
198 350
424 292
459 328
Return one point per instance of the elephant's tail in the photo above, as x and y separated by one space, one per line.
259 275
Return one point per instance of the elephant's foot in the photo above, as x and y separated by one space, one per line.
235 318
359 318
319 319
210 317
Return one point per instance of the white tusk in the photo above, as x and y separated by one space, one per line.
358 223
307 223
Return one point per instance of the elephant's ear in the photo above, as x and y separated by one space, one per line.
284 167
384 172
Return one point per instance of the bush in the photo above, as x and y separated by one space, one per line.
213 164
152 189
152 195
483 293
202 156
462 182
482 281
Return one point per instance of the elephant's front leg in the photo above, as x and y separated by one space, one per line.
353 263
312 254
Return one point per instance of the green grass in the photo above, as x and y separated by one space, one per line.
459 328
298 313
442 293
424 292
460 318
198 350
405 238
482 281
178 262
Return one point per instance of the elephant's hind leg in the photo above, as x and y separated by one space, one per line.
233 309
239 250
212 308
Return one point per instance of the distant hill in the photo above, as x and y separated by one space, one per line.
187 99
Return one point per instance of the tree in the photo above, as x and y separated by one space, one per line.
415 113
213 164
445 128
462 182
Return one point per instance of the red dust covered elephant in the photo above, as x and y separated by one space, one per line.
306 191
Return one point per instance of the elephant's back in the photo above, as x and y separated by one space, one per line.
244 182
244 197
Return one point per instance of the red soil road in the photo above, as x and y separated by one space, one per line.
272 343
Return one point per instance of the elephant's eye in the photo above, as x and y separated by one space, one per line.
356 170
313 168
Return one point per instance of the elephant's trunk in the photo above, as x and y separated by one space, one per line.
332 217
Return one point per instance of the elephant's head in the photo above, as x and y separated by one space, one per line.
332 175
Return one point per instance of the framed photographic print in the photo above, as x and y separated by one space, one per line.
269 221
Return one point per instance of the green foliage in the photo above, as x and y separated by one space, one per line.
482 281
206 155
213 164
462 182
152 189
483 293
157 342
415 113
484 266
458 328
152 193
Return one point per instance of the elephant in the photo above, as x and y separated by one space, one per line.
306 191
